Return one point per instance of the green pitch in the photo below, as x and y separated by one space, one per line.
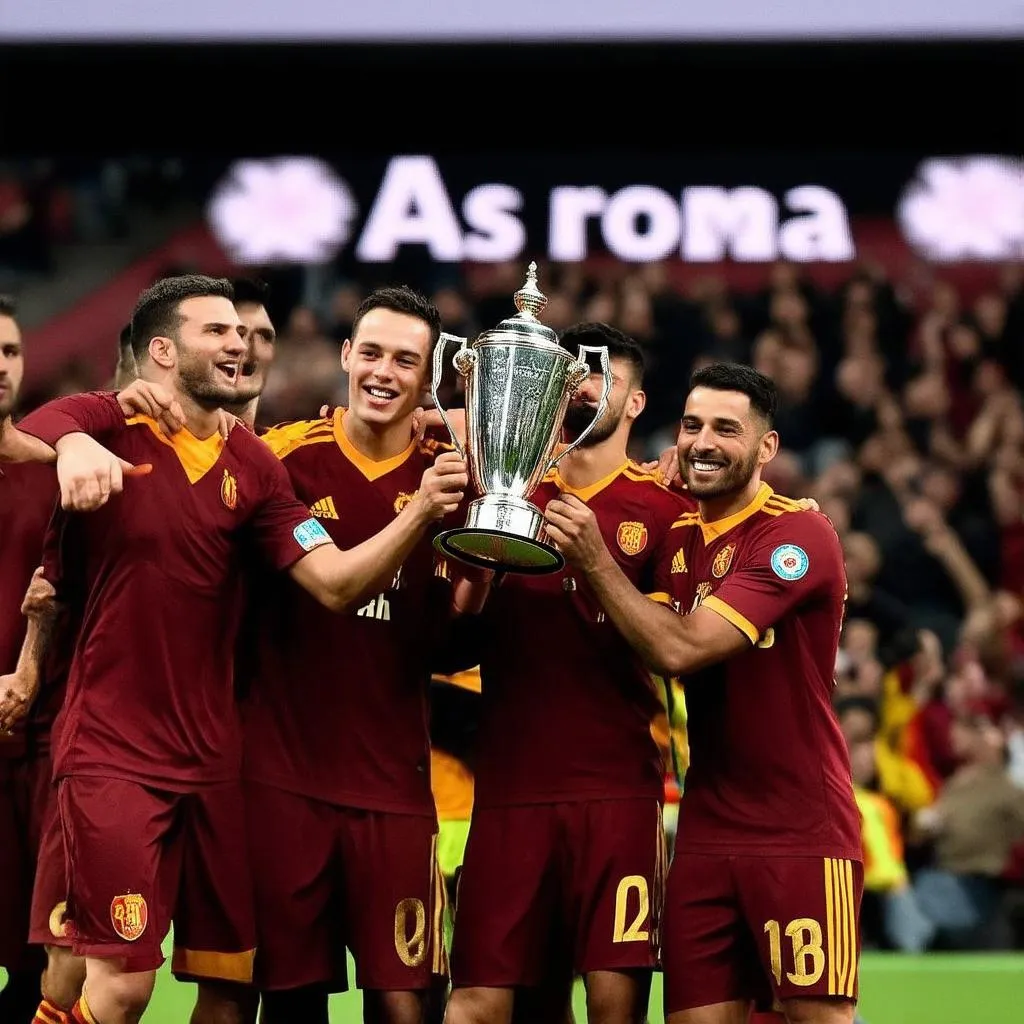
937 989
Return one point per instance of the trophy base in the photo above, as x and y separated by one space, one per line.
502 533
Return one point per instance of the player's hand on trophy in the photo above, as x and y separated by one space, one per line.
39 596
572 528
88 474
143 398
443 487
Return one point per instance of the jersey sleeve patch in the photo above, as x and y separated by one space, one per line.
790 562
310 534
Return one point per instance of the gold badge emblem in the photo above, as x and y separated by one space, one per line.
631 537
129 915
678 562
703 589
402 500
324 509
229 490
58 926
720 566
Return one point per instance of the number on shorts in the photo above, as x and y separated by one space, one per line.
411 949
804 933
635 932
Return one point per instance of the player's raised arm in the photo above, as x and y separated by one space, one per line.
69 431
342 580
670 644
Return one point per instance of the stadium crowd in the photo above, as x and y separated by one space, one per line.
901 413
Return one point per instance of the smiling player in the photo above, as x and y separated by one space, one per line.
765 887
336 722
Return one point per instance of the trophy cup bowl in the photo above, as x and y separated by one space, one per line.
519 382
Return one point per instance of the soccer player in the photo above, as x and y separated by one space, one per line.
764 893
64 974
563 870
337 747
28 495
148 753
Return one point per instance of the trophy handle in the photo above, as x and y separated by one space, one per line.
464 360
583 371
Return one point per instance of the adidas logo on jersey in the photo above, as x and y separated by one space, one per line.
323 509
678 562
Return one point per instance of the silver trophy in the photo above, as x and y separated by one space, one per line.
519 382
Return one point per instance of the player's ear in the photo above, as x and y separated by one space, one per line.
346 354
769 447
163 352
636 403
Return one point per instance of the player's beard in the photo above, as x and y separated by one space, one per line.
578 417
196 379
8 400
730 479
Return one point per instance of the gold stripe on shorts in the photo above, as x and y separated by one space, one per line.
439 954
841 927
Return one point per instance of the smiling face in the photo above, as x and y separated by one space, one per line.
261 347
722 443
209 350
387 361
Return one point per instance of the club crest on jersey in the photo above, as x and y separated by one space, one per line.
678 562
631 537
720 566
790 562
229 491
129 915
324 509
402 500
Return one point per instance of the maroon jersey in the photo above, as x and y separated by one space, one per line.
337 706
567 707
150 692
28 494
769 770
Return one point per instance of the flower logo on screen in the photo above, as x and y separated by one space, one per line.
285 210
966 208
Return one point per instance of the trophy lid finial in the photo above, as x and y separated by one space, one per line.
530 300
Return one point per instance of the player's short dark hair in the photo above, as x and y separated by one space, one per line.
761 390
250 292
8 305
401 299
157 312
124 339
619 345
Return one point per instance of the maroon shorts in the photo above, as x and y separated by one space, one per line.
763 928
329 878
139 859
25 790
575 882
47 925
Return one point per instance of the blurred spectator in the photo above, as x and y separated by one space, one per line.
975 824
